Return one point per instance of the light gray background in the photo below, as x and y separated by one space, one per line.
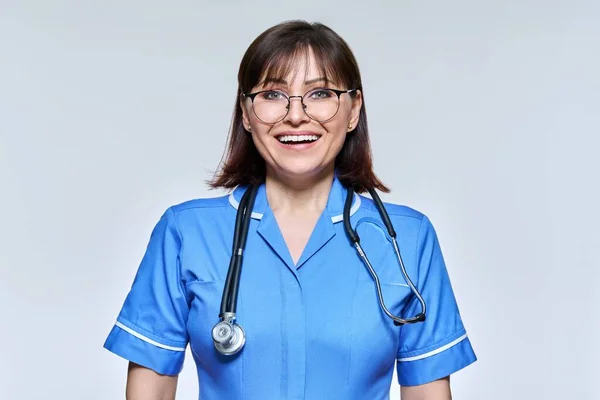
484 116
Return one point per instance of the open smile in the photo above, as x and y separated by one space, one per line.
297 138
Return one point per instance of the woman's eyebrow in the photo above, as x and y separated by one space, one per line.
308 82
284 82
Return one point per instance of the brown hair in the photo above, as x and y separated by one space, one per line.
269 56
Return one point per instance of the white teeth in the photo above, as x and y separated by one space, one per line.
297 138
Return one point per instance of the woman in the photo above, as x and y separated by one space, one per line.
308 304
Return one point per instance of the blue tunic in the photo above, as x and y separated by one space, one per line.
314 329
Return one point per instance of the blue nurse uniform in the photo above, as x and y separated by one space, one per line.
314 329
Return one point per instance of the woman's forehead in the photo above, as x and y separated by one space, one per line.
297 76
295 67
300 66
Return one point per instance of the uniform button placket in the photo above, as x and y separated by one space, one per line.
296 337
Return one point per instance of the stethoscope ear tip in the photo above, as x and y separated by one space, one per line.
420 317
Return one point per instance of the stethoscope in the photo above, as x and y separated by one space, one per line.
229 337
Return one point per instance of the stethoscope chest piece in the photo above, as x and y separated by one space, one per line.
228 337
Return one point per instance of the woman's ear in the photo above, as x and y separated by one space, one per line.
355 111
245 116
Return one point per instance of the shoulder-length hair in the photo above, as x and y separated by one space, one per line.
271 56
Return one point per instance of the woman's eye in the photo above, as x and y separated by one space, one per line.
320 94
272 95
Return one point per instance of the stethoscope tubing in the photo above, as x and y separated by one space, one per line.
242 224
355 239
229 337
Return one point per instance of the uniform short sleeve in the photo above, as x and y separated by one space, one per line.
439 346
151 327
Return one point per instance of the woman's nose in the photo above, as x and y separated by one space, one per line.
296 113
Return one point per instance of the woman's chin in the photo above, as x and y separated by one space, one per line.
302 171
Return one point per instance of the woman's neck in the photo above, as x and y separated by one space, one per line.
298 196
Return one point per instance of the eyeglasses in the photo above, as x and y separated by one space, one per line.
272 106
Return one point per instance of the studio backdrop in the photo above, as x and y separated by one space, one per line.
483 115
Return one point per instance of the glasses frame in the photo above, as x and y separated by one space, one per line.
338 92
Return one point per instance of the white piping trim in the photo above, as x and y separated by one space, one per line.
434 352
235 205
148 340
398 284
355 207
334 219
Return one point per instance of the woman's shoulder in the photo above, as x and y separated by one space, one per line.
394 210
200 205
406 219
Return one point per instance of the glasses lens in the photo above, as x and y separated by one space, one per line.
321 104
270 106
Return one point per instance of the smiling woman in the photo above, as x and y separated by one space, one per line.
307 75
297 159
323 114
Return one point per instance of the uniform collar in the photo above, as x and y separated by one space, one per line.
335 201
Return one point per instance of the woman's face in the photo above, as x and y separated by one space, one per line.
278 144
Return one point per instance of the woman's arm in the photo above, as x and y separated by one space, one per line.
436 390
145 384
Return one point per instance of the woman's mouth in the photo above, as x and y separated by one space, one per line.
291 140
